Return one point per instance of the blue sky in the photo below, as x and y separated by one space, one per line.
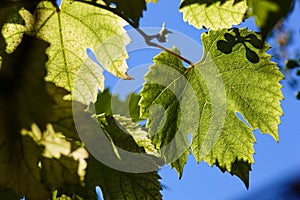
273 161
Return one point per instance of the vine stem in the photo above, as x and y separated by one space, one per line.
146 37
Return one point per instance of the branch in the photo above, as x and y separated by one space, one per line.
146 37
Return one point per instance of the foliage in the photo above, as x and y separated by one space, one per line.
216 100
235 140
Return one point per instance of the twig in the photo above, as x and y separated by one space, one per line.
147 38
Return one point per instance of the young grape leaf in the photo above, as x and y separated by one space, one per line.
210 94
98 29
214 14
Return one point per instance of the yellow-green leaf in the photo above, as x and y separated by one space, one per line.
214 14
205 100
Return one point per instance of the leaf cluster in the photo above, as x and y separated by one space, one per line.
46 76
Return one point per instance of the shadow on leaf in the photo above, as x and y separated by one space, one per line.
230 41
206 2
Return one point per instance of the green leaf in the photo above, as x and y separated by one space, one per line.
8 14
106 101
19 167
210 94
59 164
64 197
33 162
241 169
7 194
21 80
268 12
62 113
214 14
99 30
117 185
132 9
152 1
291 64
13 33
126 134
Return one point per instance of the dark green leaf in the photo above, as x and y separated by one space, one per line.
117 185
28 154
291 64
132 9
298 95
111 105
240 169
22 78
268 12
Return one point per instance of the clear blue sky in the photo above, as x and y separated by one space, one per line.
273 161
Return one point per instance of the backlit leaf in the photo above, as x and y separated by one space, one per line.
116 185
98 29
210 94
214 14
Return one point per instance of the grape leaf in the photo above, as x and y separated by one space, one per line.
132 9
7 194
223 84
8 14
59 164
111 104
153 1
99 30
62 113
213 14
117 185
19 167
127 135
207 2
24 101
241 169
21 79
268 12
13 33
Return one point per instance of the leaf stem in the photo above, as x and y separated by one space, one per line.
147 38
